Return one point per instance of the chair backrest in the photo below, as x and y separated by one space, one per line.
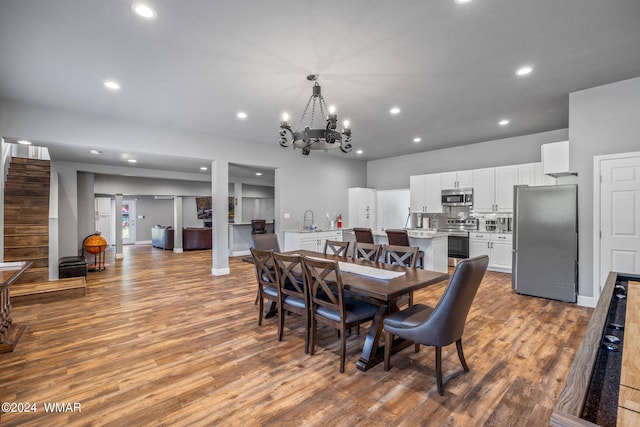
446 323
333 247
288 283
263 263
401 255
398 237
363 235
264 242
368 251
324 284
258 226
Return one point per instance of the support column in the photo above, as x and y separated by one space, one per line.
220 202
118 202
177 224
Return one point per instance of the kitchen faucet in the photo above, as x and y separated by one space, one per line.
307 220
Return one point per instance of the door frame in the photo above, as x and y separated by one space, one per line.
132 221
597 201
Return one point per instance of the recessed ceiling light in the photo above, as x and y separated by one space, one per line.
110 84
359 151
241 115
132 161
95 151
503 122
463 1
523 71
203 168
417 139
143 10
24 142
394 110
258 173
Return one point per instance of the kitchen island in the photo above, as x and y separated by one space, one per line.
240 237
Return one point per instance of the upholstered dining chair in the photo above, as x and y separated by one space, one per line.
328 304
400 237
400 255
292 292
258 226
368 251
333 247
265 275
443 324
363 235
267 241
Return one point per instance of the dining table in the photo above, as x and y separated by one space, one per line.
383 285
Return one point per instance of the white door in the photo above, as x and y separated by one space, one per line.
619 216
103 218
128 222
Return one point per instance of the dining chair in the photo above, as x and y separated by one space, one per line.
400 237
333 247
258 226
267 241
265 275
363 235
443 324
368 251
328 304
292 292
400 255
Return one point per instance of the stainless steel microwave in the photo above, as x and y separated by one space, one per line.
457 197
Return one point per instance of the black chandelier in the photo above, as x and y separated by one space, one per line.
316 139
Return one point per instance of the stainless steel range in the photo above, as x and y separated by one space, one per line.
457 230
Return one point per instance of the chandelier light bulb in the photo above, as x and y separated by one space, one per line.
346 124
285 117
332 109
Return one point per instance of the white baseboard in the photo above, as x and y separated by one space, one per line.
119 256
240 253
586 301
220 271
177 250
143 242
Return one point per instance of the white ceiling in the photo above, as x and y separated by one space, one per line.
449 67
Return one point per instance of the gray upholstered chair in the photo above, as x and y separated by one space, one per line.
333 247
329 305
443 324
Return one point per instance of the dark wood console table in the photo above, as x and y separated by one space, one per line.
10 332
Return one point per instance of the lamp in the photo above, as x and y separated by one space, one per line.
316 139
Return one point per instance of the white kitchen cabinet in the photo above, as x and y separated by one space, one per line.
457 179
310 241
526 174
493 188
555 157
484 190
362 207
425 193
498 246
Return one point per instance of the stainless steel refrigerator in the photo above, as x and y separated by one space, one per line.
545 241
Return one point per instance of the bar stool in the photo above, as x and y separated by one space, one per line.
363 235
400 237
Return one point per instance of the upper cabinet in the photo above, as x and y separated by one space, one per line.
459 179
362 207
425 193
555 158
493 188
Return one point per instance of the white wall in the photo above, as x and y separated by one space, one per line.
394 172
602 120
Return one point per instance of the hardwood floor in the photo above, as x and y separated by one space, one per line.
157 340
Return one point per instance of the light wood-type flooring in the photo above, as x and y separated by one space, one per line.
158 340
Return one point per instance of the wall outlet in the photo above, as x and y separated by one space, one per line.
287 215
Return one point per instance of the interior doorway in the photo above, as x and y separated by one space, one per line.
616 217
128 222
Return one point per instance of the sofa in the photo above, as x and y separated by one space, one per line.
194 238
162 237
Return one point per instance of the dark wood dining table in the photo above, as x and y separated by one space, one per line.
382 292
